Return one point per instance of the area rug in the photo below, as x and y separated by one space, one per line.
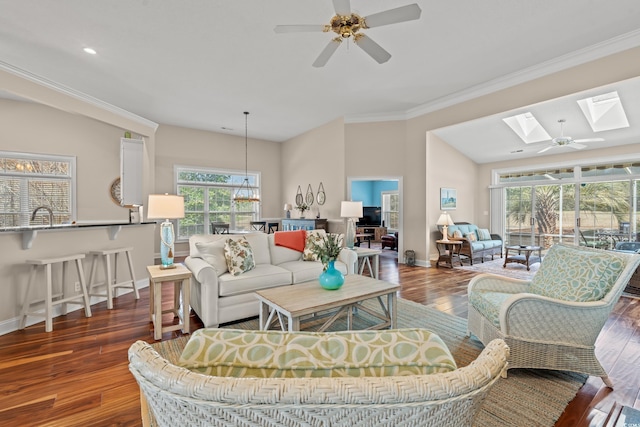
514 270
525 398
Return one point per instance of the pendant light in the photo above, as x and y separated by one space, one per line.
245 193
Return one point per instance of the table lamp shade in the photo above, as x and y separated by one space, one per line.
351 211
445 220
166 206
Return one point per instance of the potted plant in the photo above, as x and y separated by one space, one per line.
327 250
302 208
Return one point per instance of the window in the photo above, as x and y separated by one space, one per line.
28 181
391 209
208 197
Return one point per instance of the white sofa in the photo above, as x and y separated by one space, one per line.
219 297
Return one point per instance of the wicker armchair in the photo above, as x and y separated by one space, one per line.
174 396
543 321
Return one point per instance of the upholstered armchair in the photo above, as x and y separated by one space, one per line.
553 320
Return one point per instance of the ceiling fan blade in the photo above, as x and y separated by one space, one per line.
545 149
392 16
342 7
577 146
589 140
311 28
373 49
326 53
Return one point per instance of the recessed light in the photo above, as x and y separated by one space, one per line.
90 50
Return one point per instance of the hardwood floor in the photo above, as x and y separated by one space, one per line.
78 376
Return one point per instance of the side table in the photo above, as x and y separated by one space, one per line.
448 252
180 276
364 255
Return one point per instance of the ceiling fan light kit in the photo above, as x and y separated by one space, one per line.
347 25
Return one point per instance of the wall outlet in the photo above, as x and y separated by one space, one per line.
77 286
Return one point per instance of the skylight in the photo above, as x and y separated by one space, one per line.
604 112
526 126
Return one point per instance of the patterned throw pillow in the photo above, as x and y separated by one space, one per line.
276 354
312 236
457 234
471 236
239 256
569 273
484 234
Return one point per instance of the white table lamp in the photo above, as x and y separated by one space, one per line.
445 221
287 209
351 211
167 207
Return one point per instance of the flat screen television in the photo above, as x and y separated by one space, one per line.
372 215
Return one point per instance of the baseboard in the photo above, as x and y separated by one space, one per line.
12 325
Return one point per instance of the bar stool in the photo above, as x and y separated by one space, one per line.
273 227
111 275
50 298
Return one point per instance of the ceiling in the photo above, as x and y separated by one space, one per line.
201 63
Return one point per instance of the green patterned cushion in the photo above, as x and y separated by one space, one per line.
569 273
239 256
275 354
488 303
312 236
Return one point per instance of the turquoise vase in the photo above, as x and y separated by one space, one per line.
331 278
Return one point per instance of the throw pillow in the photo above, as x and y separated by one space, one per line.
569 273
484 234
457 234
312 236
276 354
213 253
239 256
471 236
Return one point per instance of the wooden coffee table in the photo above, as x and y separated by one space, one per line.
296 301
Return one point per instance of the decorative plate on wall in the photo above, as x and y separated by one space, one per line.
114 192
321 197
310 197
299 197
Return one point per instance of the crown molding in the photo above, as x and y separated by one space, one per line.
600 50
67 91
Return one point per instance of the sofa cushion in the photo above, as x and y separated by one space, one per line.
275 354
260 245
239 256
280 254
213 253
313 236
261 277
488 303
484 234
570 274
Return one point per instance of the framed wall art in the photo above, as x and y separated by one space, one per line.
448 199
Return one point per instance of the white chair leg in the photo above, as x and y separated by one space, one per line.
26 302
83 286
133 275
48 304
109 280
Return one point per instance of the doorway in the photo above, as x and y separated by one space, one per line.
385 193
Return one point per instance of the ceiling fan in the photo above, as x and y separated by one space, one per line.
568 141
348 25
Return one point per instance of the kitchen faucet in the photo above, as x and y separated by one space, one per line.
48 209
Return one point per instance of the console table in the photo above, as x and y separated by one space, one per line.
289 224
377 232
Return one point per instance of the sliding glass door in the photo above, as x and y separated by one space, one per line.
540 214
605 213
